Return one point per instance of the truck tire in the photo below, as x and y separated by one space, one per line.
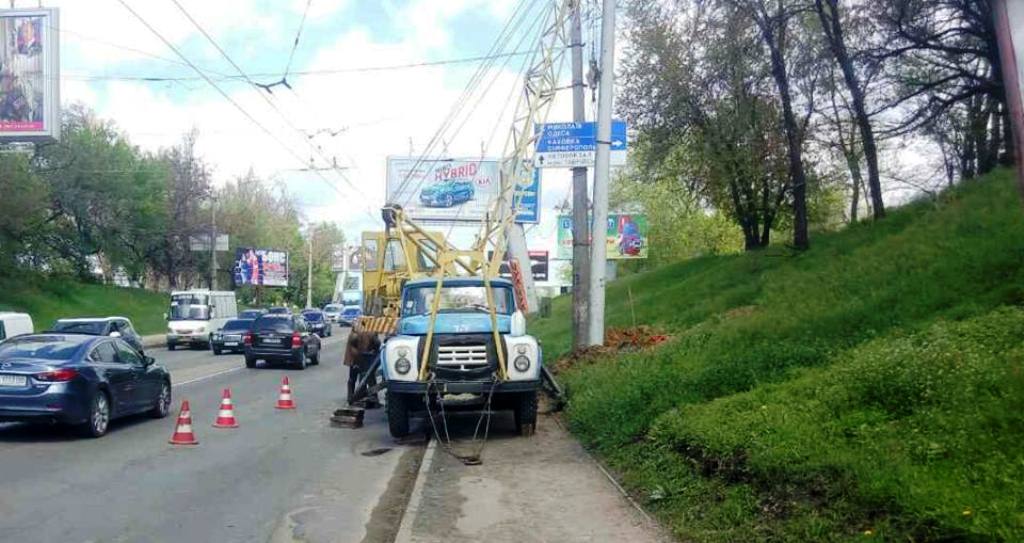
525 411
398 415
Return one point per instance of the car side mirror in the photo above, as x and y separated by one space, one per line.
518 325
148 361
115 333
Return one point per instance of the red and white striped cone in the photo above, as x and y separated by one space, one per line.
284 399
226 415
183 430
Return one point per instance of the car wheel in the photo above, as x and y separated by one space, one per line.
216 351
302 361
315 359
525 412
250 362
449 201
398 415
171 346
99 416
163 402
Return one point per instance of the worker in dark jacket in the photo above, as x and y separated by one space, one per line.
361 350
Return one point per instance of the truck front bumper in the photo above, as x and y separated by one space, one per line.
462 387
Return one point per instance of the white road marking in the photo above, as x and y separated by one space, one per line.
205 377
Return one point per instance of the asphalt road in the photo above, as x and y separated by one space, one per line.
280 476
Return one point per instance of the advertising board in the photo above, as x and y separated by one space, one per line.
626 236
263 267
538 265
29 75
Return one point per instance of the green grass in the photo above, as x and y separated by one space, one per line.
872 384
49 299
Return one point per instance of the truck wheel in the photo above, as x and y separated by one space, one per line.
525 411
398 415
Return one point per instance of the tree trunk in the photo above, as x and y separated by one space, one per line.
793 139
833 29
854 164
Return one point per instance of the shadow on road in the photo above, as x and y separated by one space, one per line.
19 432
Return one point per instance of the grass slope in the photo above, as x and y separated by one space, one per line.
870 387
49 299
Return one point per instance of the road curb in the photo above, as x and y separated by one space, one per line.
409 516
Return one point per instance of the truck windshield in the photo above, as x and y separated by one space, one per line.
460 299
189 307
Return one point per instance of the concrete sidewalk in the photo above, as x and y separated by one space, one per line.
540 489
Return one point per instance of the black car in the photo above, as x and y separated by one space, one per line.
100 326
281 338
280 310
79 379
317 322
251 314
230 337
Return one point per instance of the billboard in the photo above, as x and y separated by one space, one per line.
626 236
29 75
263 267
454 189
538 265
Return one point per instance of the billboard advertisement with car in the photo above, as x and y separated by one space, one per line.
261 267
454 189
29 75
626 236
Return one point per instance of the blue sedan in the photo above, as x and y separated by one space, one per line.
77 379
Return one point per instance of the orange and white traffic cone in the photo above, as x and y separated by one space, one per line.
183 430
284 399
226 415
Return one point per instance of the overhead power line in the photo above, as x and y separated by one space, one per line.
270 103
220 91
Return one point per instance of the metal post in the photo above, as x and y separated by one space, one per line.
309 272
213 243
602 171
580 211
1005 38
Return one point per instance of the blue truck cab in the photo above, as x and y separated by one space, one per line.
461 365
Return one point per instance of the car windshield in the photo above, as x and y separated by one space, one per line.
333 308
351 310
455 299
240 324
313 316
189 307
278 310
250 314
92 328
273 324
39 347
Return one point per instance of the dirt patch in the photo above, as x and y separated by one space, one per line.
387 514
617 340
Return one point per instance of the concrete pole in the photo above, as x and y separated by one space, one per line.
309 272
580 208
213 243
1007 19
602 172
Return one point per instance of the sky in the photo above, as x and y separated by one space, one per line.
357 117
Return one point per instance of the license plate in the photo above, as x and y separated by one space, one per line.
231 344
271 341
13 380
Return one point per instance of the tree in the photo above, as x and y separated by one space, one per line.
22 210
188 185
834 33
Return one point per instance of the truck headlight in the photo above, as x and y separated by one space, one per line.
521 363
402 366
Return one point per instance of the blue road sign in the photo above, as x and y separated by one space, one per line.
561 145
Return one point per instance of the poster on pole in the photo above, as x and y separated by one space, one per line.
626 237
447 190
29 75
538 265
261 267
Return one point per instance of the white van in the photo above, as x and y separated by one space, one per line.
196 314
15 324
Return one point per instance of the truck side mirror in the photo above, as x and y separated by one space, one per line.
518 325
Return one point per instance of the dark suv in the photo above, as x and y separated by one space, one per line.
281 338
101 326
229 338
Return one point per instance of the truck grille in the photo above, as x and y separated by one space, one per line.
462 355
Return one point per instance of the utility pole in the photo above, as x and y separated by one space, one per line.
602 171
213 243
1005 19
580 211
309 272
